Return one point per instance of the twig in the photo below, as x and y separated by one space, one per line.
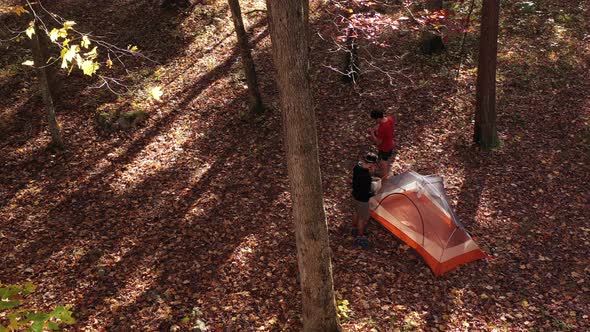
462 47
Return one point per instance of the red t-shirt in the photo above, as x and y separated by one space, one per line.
385 134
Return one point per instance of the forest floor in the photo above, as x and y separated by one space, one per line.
184 222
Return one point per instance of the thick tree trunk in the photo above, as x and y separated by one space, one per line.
290 46
249 69
39 47
485 133
431 42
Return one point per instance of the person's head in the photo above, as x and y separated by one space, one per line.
370 160
377 115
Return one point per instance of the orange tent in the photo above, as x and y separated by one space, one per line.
415 208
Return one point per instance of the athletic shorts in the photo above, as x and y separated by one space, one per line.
361 208
386 155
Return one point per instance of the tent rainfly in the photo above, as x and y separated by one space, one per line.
415 208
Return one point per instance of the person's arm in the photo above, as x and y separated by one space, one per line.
373 133
366 185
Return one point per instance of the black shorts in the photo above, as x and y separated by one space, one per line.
385 155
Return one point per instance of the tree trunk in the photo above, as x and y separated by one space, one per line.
485 133
289 21
40 51
253 93
431 42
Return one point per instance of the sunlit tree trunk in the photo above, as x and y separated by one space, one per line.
40 56
290 45
485 133
249 69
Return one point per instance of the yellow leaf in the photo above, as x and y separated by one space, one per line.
66 42
68 55
350 10
79 60
109 63
525 303
132 48
28 63
69 24
89 67
85 42
30 30
20 10
484 296
54 34
63 33
156 93
92 54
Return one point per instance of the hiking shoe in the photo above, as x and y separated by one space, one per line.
362 242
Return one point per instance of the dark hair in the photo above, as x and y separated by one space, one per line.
371 158
376 114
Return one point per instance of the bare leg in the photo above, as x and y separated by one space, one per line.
384 169
361 227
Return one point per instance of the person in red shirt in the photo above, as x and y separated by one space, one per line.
382 135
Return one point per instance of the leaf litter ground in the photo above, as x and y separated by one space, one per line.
184 223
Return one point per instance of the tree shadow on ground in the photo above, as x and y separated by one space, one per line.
138 244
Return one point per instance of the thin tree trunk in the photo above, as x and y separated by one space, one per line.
249 69
39 47
290 45
485 133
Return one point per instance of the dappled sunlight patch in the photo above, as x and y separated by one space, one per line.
151 161
242 256
136 285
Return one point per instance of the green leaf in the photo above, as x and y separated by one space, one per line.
38 316
37 326
16 319
63 314
10 291
28 287
53 326
9 304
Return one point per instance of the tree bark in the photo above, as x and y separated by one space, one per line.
255 100
40 51
289 21
431 42
485 133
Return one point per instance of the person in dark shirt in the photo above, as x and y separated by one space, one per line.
361 192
